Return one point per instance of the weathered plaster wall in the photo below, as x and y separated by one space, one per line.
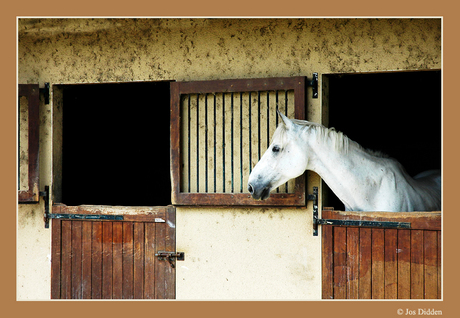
196 49
33 240
230 253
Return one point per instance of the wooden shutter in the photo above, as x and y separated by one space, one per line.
28 174
219 131
95 259
379 263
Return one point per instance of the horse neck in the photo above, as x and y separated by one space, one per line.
344 171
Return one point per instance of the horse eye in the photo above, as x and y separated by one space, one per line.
276 149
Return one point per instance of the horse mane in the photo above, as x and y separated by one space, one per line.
341 142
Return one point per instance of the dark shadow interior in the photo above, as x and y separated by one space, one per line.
396 113
116 144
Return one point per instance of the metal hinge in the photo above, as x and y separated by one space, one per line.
162 255
46 93
314 197
64 216
46 196
360 223
356 223
314 85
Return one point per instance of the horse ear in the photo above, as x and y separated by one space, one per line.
287 122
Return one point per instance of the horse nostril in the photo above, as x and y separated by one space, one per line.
250 189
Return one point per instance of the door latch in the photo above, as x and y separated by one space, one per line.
163 255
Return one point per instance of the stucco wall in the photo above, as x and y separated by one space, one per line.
230 253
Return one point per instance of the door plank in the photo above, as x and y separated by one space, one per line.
365 264
352 263
404 260
139 260
117 266
76 259
160 266
378 264
128 261
96 261
391 264
416 268
66 266
430 242
56 259
107 260
86 260
327 262
150 261
170 245
340 263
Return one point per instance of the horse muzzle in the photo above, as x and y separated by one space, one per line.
259 192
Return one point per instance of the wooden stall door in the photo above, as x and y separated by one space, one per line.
382 263
113 259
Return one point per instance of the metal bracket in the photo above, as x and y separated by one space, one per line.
162 255
314 85
360 223
46 196
46 92
314 197
64 216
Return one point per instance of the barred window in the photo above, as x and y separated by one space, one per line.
219 131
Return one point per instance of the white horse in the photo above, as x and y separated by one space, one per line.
362 179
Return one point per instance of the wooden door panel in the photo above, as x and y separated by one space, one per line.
112 259
381 263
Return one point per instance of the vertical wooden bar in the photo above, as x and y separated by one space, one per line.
391 265
76 259
66 265
206 140
250 132
189 133
138 260
430 242
107 258
365 264
439 266
56 259
286 99
96 261
160 266
340 263
417 275
170 245
150 260
86 259
403 253
215 144
117 267
232 151
241 142
378 260
327 266
128 261
197 142
175 132
352 262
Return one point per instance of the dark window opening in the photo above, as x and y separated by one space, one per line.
396 113
115 148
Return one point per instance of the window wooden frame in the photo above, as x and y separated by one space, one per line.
31 91
297 84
